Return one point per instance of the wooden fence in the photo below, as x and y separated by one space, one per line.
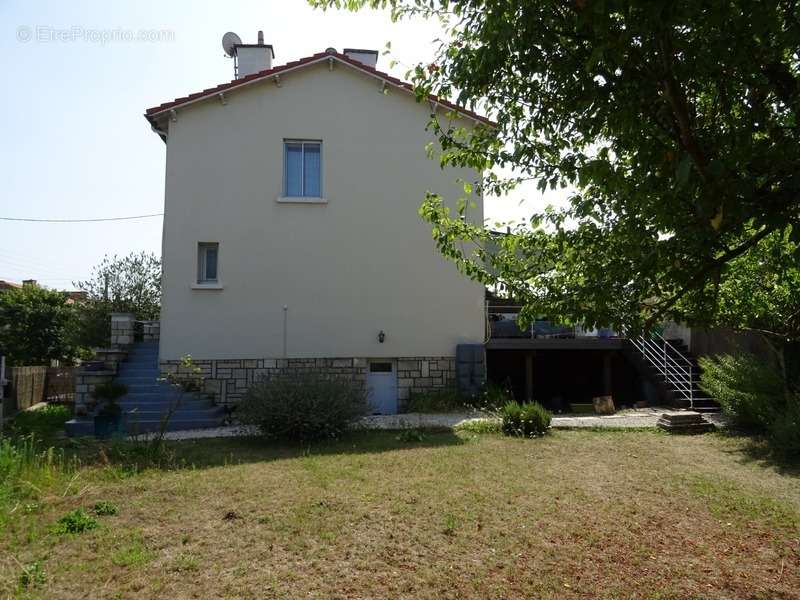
31 385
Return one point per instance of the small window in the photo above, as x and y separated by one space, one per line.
302 169
207 260
380 367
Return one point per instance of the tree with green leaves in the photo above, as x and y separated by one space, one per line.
130 284
674 122
36 326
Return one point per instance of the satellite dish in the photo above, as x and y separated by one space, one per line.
229 40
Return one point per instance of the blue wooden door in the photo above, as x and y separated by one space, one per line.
382 387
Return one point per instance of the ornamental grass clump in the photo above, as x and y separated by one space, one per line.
528 420
303 407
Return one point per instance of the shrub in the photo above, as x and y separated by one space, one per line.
45 423
753 395
32 575
450 399
494 396
524 420
107 394
104 508
411 435
36 326
76 521
784 432
479 426
302 407
437 401
749 392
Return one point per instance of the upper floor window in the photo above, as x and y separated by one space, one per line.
302 168
207 259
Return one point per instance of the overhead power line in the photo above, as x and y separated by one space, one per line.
80 220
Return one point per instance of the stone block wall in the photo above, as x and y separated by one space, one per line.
151 331
122 329
422 374
228 380
85 382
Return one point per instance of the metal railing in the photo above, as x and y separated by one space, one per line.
660 354
501 322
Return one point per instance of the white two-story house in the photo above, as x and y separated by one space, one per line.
292 239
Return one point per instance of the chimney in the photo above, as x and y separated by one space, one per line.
367 57
252 58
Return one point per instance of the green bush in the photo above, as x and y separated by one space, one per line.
753 395
784 431
479 426
450 399
494 397
32 575
437 401
302 407
36 326
749 392
104 509
45 423
525 420
76 521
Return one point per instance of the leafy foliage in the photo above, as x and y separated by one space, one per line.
302 407
25 470
748 391
111 391
74 522
437 401
107 394
674 122
32 575
104 509
45 423
36 326
129 284
529 420
757 399
479 426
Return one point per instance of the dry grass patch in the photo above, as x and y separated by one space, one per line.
576 514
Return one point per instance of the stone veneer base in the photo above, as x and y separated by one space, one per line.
228 380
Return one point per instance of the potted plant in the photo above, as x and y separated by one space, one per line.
108 418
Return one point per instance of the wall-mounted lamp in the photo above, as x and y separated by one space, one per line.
381 336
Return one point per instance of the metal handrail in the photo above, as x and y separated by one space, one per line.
656 351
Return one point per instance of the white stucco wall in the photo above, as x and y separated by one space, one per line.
362 263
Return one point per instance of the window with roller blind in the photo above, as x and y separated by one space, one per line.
302 173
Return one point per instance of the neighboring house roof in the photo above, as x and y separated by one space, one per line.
152 114
9 285
74 296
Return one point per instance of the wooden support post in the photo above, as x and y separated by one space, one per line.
529 377
607 383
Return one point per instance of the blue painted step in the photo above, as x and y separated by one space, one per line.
149 399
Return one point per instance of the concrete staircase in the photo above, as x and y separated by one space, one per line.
149 400
678 358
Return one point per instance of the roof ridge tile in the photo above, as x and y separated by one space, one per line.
150 112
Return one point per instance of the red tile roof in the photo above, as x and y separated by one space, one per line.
151 113
9 285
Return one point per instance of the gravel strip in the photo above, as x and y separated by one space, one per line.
631 419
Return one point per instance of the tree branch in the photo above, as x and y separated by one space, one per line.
678 103
699 277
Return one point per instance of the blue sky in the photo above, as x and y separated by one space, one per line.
75 144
